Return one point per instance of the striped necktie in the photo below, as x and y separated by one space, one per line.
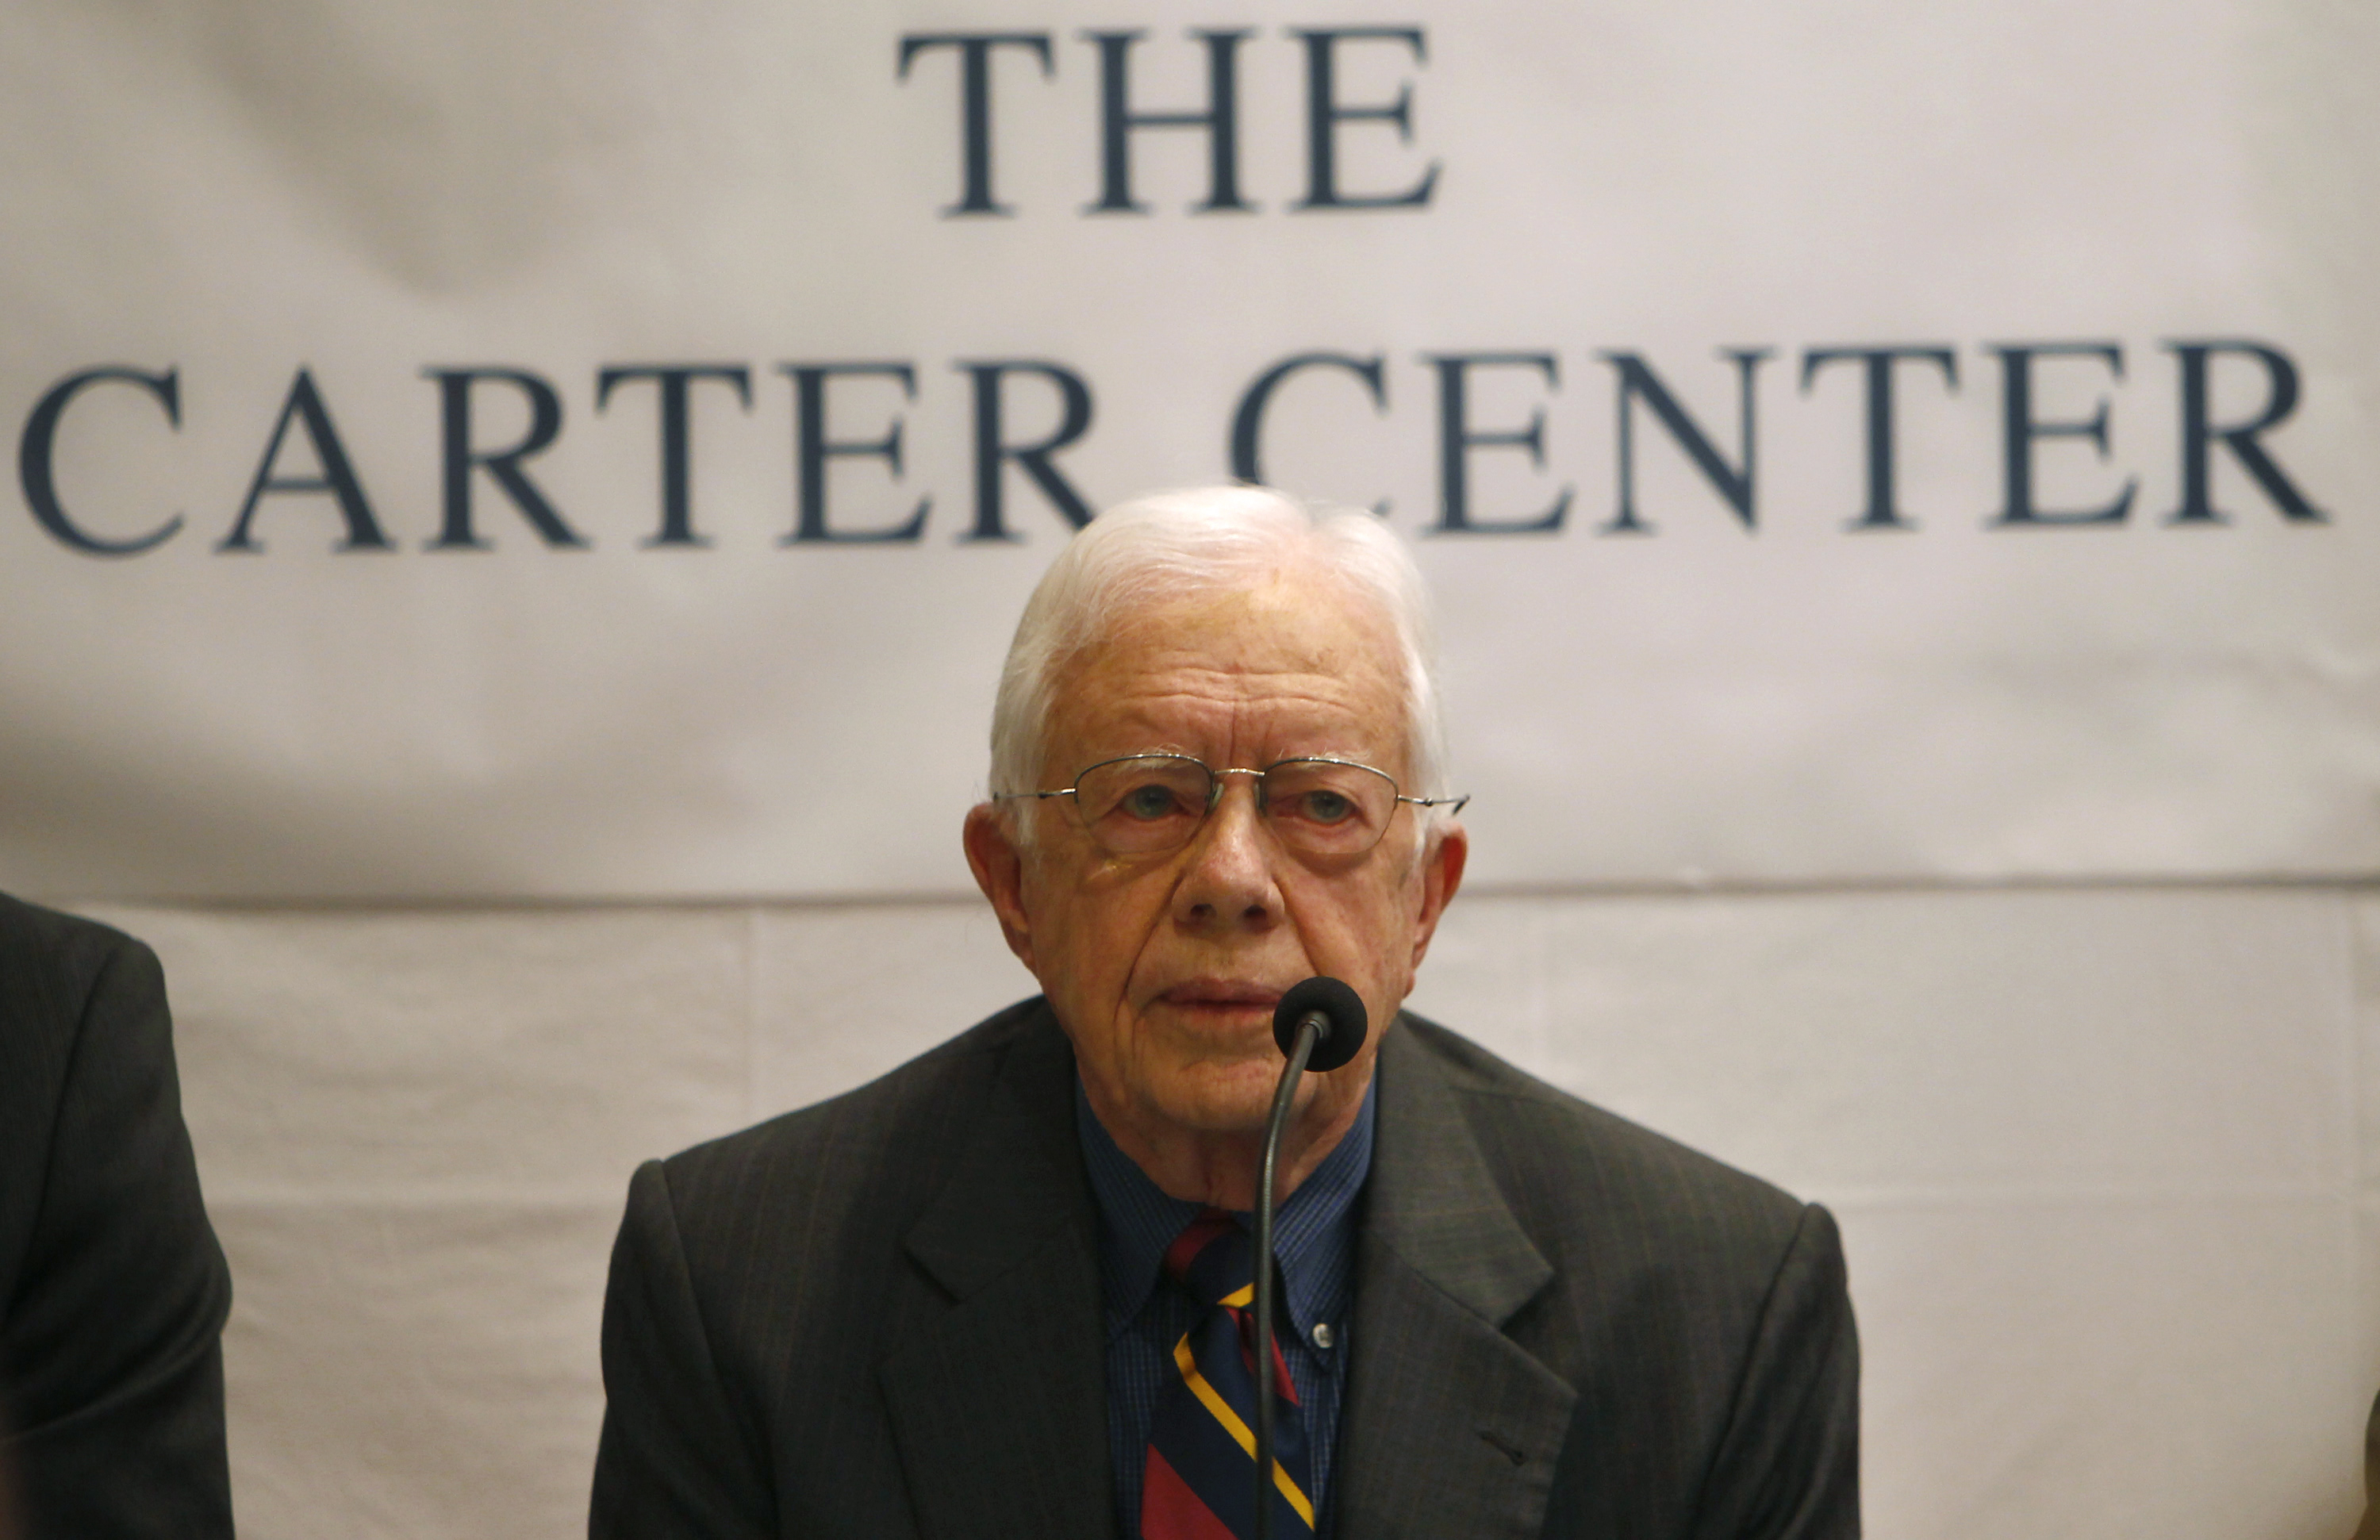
1200 1478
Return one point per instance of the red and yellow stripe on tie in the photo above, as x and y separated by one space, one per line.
1221 1410
1199 1482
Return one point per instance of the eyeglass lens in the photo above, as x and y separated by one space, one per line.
1154 803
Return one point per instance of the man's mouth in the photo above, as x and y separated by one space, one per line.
1220 996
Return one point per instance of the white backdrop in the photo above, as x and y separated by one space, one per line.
2004 881
278 632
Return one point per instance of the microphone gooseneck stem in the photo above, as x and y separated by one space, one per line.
1310 1029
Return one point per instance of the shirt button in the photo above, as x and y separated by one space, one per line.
1323 1336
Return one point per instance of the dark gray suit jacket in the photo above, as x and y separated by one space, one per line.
113 1292
881 1318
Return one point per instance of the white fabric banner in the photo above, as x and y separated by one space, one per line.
600 449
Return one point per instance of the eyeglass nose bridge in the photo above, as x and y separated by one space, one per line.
1216 786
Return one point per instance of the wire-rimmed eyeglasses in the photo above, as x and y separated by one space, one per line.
1150 804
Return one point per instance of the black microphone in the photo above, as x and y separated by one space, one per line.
1333 1009
1320 1026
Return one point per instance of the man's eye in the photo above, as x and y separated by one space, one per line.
1149 801
1326 806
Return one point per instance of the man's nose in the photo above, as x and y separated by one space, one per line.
1230 875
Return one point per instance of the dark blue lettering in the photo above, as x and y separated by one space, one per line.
1325 113
1220 120
1736 484
2199 435
1883 512
974 103
814 448
1457 438
338 477
675 382
1247 420
37 457
2020 431
460 457
993 451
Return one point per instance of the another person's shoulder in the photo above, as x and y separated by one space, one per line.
1577 1174
63 977
61 954
113 1290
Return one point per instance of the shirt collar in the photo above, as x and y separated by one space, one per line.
1138 1220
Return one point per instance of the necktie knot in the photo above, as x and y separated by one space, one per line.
1213 1258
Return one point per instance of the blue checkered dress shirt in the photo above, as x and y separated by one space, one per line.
1314 1235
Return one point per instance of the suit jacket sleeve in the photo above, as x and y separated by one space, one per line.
674 1460
1787 1464
114 1290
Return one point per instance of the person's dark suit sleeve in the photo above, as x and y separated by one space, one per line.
675 1462
1788 1464
111 1360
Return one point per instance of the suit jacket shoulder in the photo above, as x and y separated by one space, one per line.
878 1151
1570 1325
1589 1186
875 1315
879 1316
113 1291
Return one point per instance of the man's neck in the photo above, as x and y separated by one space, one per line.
1222 1169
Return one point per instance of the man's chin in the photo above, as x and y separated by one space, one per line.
1224 1099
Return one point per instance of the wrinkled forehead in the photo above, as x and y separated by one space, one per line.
1291 643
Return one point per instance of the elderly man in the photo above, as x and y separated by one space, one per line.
1002 1291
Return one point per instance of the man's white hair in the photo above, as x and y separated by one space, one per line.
1182 544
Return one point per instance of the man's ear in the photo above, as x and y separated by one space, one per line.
1441 874
999 868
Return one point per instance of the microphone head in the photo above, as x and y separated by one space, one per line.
1339 1004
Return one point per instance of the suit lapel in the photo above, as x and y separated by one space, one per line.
1000 1407
1450 1427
